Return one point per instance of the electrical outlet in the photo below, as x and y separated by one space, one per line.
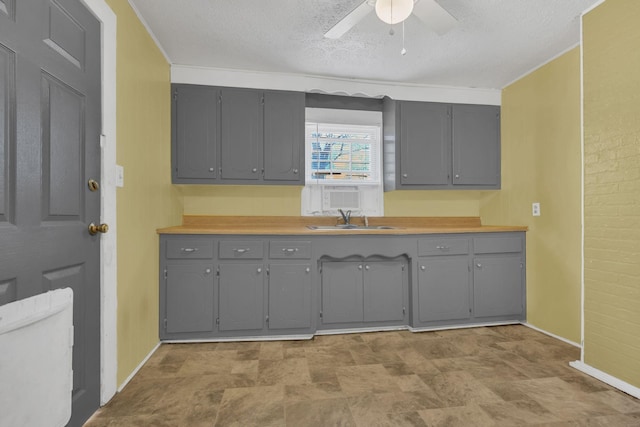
535 209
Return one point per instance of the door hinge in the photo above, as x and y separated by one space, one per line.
321 314
217 320
220 99
267 319
403 269
175 95
268 272
262 100
521 265
218 271
165 324
165 276
404 310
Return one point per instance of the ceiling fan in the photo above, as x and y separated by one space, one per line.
396 11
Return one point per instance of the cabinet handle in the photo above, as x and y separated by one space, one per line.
259 270
207 271
404 175
360 267
295 171
289 250
457 176
241 250
189 250
423 268
254 170
442 248
366 267
307 270
479 265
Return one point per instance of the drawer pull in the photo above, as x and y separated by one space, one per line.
443 248
189 250
289 250
241 250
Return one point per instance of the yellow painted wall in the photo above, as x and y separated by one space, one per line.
612 189
147 201
285 200
541 162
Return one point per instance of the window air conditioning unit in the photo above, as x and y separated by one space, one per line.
340 198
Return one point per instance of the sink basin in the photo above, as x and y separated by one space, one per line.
351 227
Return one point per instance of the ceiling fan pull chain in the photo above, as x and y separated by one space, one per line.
403 51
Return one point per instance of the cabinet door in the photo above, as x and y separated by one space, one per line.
241 297
189 300
289 296
476 145
284 136
498 286
443 288
194 132
342 292
425 143
241 124
383 291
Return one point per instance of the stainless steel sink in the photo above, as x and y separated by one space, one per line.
351 227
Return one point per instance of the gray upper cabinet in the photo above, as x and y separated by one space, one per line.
476 145
425 130
241 128
194 133
284 137
237 136
440 146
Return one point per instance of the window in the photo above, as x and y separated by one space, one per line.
343 152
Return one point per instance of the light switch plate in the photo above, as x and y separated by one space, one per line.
535 209
119 176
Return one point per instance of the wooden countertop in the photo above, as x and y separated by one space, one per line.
297 225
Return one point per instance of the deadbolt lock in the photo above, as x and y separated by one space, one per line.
95 229
93 185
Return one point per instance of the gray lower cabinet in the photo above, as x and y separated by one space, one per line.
443 289
241 296
362 292
189 298
289 296
499 277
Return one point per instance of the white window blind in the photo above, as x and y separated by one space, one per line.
342 154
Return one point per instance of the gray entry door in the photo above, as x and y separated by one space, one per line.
49 149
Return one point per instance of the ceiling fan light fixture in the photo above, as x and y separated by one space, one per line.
393 11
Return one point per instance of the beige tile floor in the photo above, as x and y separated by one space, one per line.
490 376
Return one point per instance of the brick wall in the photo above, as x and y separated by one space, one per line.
611 49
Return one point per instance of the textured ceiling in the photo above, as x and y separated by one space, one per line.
495 42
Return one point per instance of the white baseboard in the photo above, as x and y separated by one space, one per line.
135 371
244 339
473 325
361 330
606 378
558 337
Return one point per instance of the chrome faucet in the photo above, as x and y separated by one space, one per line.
346 216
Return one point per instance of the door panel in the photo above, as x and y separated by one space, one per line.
7 127
189 297
283 136
289 296
497 286
49 147
443 288
241 297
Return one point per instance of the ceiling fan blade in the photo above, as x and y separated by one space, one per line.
435 16
348 22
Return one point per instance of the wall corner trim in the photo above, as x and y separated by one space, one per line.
606 378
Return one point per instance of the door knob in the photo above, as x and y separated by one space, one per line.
95 229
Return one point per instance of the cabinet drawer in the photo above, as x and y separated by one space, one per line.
241 249
189 249
289 249
443 246
498 244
